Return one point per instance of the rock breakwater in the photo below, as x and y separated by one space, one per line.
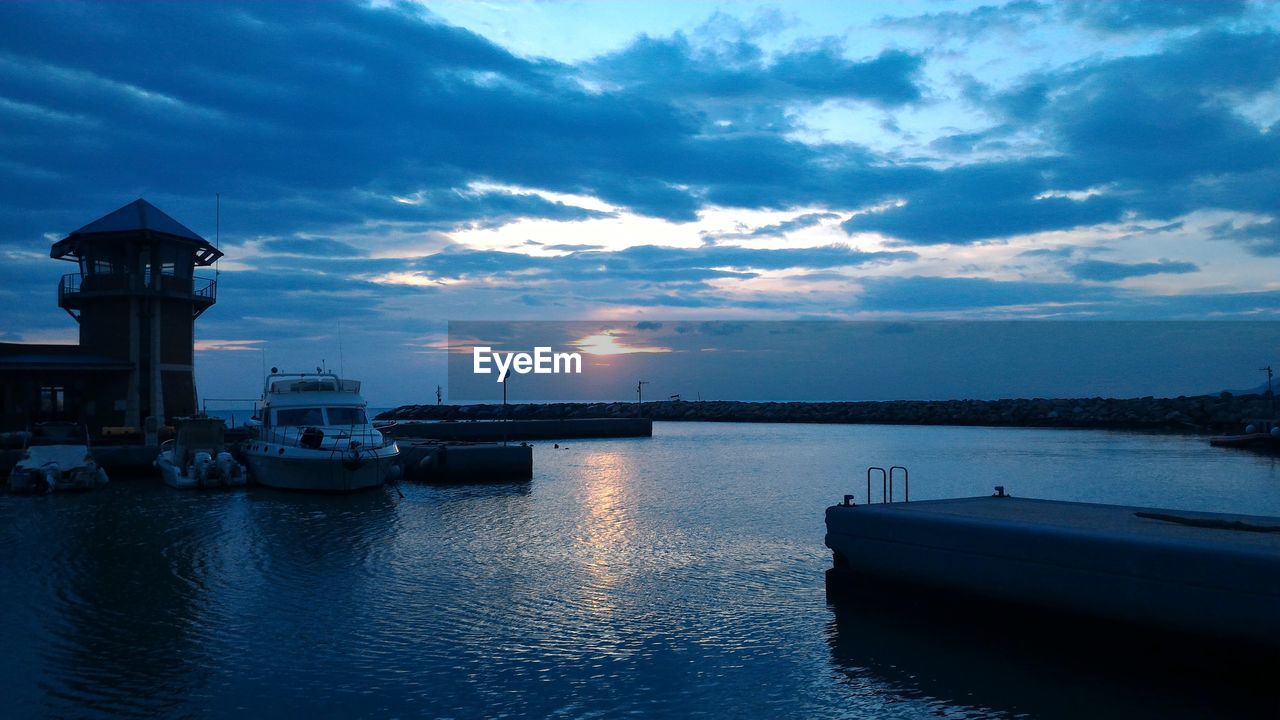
1204 413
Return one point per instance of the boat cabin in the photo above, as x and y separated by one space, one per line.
312 400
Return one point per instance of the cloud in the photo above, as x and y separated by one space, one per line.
1134 15
1104 271
652 263
970 24
1261 239
316 247
740 71
1157 135
229 345
910 294
991 200
780 229
1058 252
366 139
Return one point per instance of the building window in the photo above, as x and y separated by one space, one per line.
52 400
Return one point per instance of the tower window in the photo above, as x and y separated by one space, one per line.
52 400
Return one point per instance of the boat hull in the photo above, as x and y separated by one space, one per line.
292 468
51 468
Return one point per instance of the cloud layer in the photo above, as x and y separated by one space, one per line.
1083 157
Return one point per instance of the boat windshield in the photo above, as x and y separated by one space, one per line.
346 416
299 416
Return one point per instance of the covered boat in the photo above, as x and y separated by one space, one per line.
57 457
312 433
196 457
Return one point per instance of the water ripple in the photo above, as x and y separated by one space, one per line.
680 576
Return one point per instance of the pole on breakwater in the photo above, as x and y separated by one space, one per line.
1271 395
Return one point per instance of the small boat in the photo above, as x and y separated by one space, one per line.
57 457
196 458
312 433
1258 435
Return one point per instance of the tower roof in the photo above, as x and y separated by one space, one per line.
138 215
137 218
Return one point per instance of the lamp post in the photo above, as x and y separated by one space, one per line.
640 397
506 411
1271 396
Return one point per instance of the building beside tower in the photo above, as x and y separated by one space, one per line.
135 295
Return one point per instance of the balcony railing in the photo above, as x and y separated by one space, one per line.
201 289
206 288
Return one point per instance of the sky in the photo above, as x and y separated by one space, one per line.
385 168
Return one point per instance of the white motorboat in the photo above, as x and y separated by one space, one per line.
196 458
57 457
313 434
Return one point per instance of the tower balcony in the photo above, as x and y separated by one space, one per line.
75 290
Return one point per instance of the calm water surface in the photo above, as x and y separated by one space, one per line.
676 576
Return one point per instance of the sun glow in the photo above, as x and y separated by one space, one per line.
608 344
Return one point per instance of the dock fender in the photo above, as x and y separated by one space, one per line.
353 459
429 462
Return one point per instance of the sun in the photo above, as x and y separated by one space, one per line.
607 343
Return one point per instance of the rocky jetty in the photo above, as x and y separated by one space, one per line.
1205 413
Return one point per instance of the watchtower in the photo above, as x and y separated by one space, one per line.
136 298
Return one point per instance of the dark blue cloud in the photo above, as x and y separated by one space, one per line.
1130 15
780 229
993 200
653 263
1019 15
949 294
1060 252
312 247
1262 239
1105 271
313 116
335 130
1155 132
738 71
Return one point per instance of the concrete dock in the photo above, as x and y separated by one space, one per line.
1207 574
500 430
448 462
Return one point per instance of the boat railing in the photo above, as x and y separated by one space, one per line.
279 383
362 440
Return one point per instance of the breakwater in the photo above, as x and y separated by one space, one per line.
524 429
1205 413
